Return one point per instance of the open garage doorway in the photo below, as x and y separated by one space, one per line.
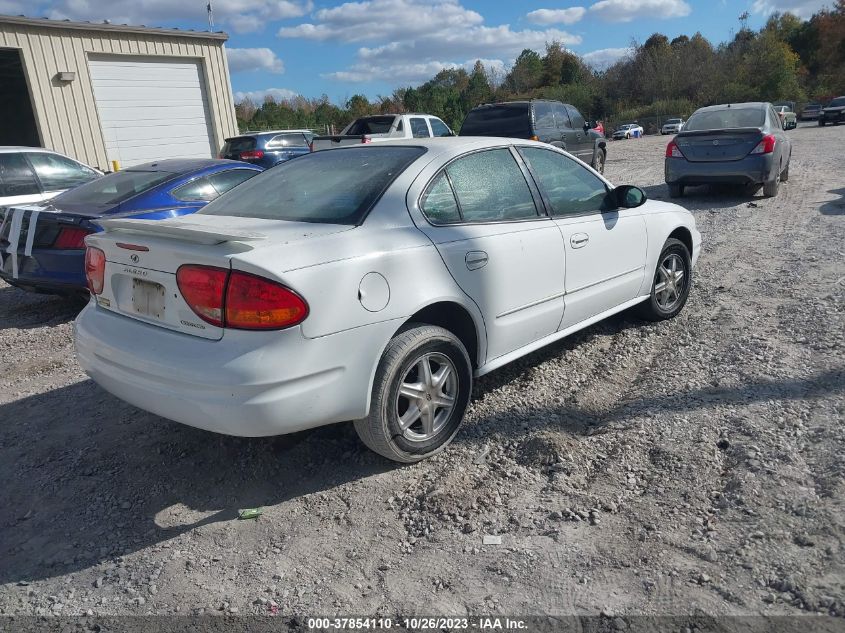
17 122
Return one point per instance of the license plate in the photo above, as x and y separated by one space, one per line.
148 298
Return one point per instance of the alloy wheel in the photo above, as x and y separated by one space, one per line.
427 396
671 278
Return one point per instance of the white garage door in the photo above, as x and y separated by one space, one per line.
151 110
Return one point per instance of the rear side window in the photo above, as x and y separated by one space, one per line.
489 187
506 120
238 145
336 187
725 119
58 173
16 176
568 186
438 128
371 125
287 140
222 181
196 190
116 187
438 202
543 115
419 129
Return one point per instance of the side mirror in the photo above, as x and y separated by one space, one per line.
628 197
586 126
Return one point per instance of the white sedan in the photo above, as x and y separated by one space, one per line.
629 130
34 174
372 283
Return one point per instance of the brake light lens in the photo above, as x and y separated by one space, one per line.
71 238
255 303
673 151
95 269
766 146
254 154
239 300
204 288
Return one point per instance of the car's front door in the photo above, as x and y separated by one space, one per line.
507 257
605 248
584 143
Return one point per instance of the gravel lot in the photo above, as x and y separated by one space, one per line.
689 466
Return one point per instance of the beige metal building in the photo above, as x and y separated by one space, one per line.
105 92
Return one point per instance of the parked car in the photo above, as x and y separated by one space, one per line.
558 124
33 174
810 112
267 149
672 126
244 317
384 127
738 143
628 130
42 246
788 118
833 113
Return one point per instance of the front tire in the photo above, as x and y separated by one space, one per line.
420 393
599 161
671 284
821 123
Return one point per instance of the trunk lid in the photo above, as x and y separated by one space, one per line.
143 256
718 145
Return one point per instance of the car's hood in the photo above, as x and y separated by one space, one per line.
836 109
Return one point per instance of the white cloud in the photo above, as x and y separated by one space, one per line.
13 7
409 73
258 96
248 59
801 8
628 10
605 57
556 16
241 16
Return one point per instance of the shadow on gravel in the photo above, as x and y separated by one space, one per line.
23 310
715 196
80 487
834 207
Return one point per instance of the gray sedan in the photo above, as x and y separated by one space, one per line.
739 143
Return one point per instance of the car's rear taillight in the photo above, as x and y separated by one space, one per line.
204 290
71 238
239 300
254 154
255 303
766 146
366 139
95 269
673 151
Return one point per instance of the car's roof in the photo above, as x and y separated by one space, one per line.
23 148
445 144
262 132
725 106
182 165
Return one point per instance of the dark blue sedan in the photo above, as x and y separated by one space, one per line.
268 149
42 245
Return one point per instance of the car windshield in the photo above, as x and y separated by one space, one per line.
115 188
838 102
725 119
336 186
371 125
503 119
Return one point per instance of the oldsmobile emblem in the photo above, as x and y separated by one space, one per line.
134 258
715 142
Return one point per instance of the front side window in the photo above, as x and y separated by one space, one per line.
561 117
419 129
489 187
568 186
333 187
16 177
575 117
438 128
195 191
438 202
58 173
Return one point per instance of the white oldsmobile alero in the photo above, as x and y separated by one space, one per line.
372 283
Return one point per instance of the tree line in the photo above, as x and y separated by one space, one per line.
788 59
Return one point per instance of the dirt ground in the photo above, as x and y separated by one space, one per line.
689 466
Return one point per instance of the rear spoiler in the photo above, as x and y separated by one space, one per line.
181 229
728 130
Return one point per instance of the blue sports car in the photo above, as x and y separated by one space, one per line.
42 246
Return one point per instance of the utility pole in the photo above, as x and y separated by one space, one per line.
210 10
743 20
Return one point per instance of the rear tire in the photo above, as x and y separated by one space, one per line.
676 191
599 161
414 412
770 189
821 123
784 175
671 284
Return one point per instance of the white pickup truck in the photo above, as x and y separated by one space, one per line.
384 127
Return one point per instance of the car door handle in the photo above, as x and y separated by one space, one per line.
579 240
476 259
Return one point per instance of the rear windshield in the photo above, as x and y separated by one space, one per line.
371 125
509 120
839 101
673 121
237 145
725 119
336 186
115 188
296 139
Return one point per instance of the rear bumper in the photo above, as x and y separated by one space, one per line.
746 171
247 384
47 270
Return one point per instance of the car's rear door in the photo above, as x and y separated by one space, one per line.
605 249
504 254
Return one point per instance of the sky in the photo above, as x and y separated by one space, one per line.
371 47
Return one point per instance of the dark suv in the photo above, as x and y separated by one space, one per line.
553 122
267 148
833 113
